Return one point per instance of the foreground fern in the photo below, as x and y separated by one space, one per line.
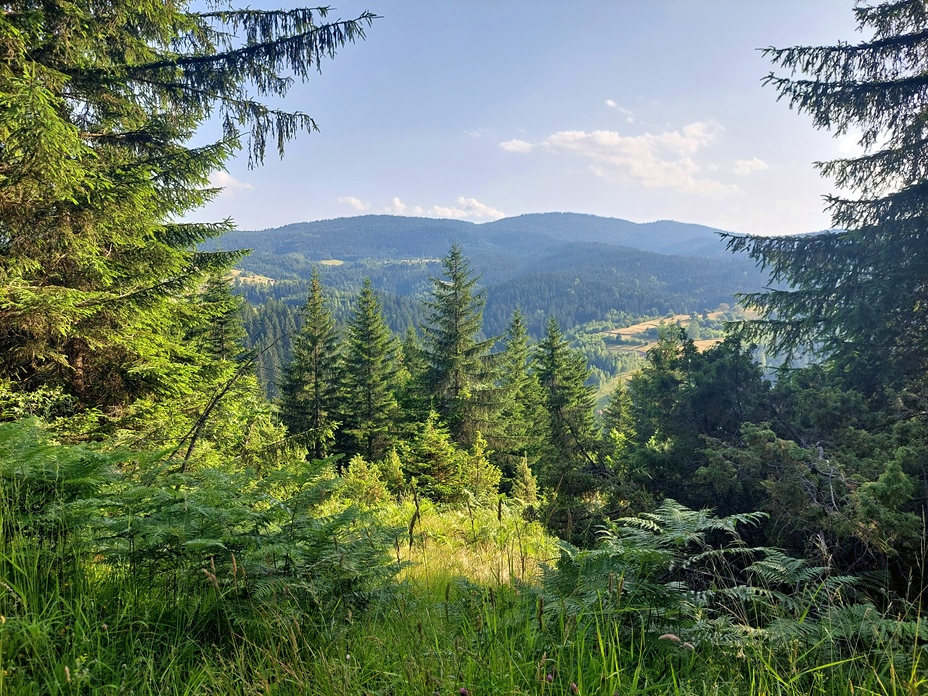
104 548
689 575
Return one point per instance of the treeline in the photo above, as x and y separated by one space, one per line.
581 284
575 282
444 415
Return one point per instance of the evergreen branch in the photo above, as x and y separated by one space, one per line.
194 431
322 40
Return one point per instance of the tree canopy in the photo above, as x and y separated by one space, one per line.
98 102
857 294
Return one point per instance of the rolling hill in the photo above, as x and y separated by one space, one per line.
575 267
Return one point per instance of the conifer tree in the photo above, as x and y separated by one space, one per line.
368 400
569 464
310 387
413 401
519 440
98 102
435 462
459 370
224 333
858 294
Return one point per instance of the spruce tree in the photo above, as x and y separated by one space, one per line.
310 387
519 440
569 466
413 401
459 370
857 294
368 402
98 103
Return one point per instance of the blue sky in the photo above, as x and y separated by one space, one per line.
477 109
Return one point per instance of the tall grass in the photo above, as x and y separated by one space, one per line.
480 601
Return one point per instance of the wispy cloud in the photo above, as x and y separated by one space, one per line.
629 116
517 146
396 207
355 203
745 167
664 160
228 183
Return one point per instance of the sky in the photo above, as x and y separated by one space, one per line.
480 109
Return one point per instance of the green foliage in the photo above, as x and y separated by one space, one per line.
367 403
519 441
99 104
480 477
837 293
101 551
676 401
311 383
459 373
568 466
524 484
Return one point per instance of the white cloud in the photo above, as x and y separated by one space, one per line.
517 146
228 183
479 132
745 167
654 160
355 203
467 208
396 207
629 116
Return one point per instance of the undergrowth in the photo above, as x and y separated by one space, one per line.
120 573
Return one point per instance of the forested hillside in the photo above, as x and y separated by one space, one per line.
391 237
580 269
432 503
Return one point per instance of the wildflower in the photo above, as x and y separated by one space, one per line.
463 691
549 677
670 637
689 646
574 689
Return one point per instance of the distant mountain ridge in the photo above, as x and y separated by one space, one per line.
391 237
577 268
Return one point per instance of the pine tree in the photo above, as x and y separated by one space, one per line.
618 426
519 440
858 294
569 465
413 401
459 374
435 462
368 401
98 103
224 333
310 387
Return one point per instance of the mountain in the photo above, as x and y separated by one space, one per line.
391 237
578 268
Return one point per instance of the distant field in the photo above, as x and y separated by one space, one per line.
639 330
241 277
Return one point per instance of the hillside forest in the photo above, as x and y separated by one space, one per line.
342 467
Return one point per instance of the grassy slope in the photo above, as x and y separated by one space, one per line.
456 623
